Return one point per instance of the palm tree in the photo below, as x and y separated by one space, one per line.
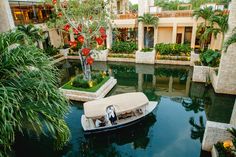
230 40
33 33
205 13
29 98
221 20
148 20
197 130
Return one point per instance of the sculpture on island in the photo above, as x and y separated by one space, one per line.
87 20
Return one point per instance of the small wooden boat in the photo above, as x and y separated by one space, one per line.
128 108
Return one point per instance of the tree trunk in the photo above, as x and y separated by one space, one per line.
87 71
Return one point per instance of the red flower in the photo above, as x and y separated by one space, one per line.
73 43
81 39
67 27
85 51
102 30
104 36
59 14
90 60
90 17
54 1
99 40
75 31
80 27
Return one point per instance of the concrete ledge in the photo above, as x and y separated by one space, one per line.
172 62
215 132
113 59
87 96
100 55
201 73
64 52
214 152
194 58
145 57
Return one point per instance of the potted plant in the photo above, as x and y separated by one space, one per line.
146 56
209 59
100 53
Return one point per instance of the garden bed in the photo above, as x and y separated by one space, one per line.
96 92
145 57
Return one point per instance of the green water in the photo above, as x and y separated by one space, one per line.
169 132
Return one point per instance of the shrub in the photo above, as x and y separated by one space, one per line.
146 50
173 49
80 82
210 58
124 47
51 51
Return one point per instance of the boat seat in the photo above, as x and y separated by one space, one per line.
91 123
126 115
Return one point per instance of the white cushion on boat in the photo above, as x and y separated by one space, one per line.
122 103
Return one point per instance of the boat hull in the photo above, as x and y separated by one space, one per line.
117 126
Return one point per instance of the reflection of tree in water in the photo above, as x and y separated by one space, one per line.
32 145
104 144
150 93
197 130
196 105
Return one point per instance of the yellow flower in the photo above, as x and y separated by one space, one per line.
90 83
228 144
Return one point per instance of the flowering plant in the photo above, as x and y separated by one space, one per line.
87 20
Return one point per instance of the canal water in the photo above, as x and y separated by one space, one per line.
175 129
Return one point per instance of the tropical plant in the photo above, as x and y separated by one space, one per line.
227 148
210 58
215 22
167 5
29 98
148 20
124 47
50 50
172 49
33 33
88 20
204 13
197 130
230 40
134 8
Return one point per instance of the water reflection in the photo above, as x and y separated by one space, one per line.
197 130
174 129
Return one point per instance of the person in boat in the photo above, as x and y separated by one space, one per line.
111 114
97 123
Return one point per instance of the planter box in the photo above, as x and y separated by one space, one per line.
64 52
201 73
145 57
100 55
87 96
194 58
214 152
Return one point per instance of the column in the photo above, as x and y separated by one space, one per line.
170 84
109 36
140 82
174 33
140 36
6 18
154 81
194 31
232 19
123 7
72 38
155 35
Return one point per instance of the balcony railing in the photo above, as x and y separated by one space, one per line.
127 16
178 13
163 14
